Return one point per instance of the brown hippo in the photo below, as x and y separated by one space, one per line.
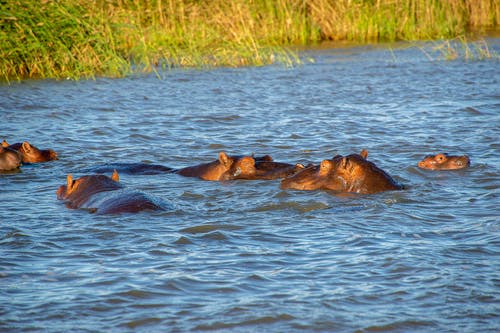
444 161
9 159
105 195
276 170
239 167
352 173
139 168
30 153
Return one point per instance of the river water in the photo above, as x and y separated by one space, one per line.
245 256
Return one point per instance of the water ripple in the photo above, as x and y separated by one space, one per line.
246 256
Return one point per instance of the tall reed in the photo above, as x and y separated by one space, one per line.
85 38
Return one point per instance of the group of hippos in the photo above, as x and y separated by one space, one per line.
101 194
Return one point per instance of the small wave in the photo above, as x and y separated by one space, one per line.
183 241
248 322
293 205
217 235
16 239
205 228
471 110
137 294
401 326
134 324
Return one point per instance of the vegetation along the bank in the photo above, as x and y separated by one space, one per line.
85 38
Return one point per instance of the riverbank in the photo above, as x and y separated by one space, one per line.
81 39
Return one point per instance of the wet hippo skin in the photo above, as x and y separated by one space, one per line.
225 168
132 168
352 173
105 195
30 153
9 159
276 170
443 161
240 167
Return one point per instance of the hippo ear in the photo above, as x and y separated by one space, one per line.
5 144
344 163
364 153
69 183
225 160
324 167
115 176
247 162
26 146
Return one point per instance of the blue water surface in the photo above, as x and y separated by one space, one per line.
246 256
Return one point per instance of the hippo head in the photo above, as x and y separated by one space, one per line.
32 154
85 186
237 168
443 161
322 176
309 178
345 173
354 173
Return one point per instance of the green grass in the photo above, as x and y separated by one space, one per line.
459 48
83 38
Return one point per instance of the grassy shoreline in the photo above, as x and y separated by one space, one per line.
83 39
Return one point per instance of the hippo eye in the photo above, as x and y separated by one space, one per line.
440 158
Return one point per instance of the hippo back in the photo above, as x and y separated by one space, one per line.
127 201
105 195
84 191
132 168
353 173
9 159
276 170
306 179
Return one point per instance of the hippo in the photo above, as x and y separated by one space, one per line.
30 153
101 194
443 161
9 159
225 168
132 168
351 173
139 168
239 167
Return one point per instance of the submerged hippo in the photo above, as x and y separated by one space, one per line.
352 173
139 168
105 195
9 159
239 167
30 153
132 168
444 161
